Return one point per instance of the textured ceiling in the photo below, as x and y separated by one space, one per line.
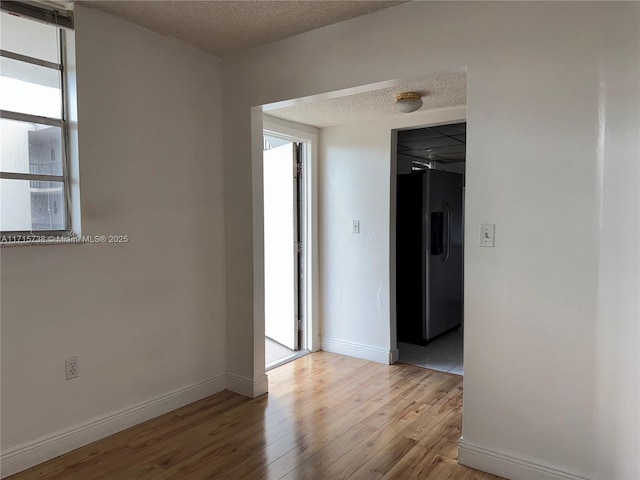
225 28
438 93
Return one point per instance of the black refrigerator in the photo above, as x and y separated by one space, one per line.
429 255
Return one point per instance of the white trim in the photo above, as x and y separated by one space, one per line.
289 129
72 140
257 221
507 465
32 453
357 350
248 387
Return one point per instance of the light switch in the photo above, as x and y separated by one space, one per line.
487 235
356 227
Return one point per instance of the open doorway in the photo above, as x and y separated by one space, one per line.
357 149
283 253
429 246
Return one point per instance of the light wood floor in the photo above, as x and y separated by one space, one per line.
327 417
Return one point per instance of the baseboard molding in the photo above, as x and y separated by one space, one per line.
248 387
509 466
27 455
357 350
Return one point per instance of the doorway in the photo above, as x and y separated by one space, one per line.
283 253
429 246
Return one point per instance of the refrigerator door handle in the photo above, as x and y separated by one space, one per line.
449 216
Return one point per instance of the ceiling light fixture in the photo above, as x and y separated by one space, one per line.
408 102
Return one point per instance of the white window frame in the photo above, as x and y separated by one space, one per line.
63 21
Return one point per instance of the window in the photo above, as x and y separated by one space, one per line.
34 165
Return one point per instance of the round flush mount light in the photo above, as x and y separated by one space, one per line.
408 102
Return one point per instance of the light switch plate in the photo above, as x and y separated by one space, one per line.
487 235
355 227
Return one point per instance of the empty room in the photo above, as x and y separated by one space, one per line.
320 239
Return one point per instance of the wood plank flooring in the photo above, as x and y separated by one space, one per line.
326 417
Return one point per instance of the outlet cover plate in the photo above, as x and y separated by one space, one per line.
71 368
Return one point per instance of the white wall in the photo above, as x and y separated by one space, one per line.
548 338
355 180
147 317
618 221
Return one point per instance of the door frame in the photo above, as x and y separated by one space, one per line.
310 340
393 319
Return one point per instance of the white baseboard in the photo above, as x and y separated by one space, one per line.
27 455
248 387
358 350
509 466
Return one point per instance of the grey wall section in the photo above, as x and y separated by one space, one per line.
146 317
545 77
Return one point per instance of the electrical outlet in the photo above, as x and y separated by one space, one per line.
71 368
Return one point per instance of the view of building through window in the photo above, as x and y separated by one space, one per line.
33 168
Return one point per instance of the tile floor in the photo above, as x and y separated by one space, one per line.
444 354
